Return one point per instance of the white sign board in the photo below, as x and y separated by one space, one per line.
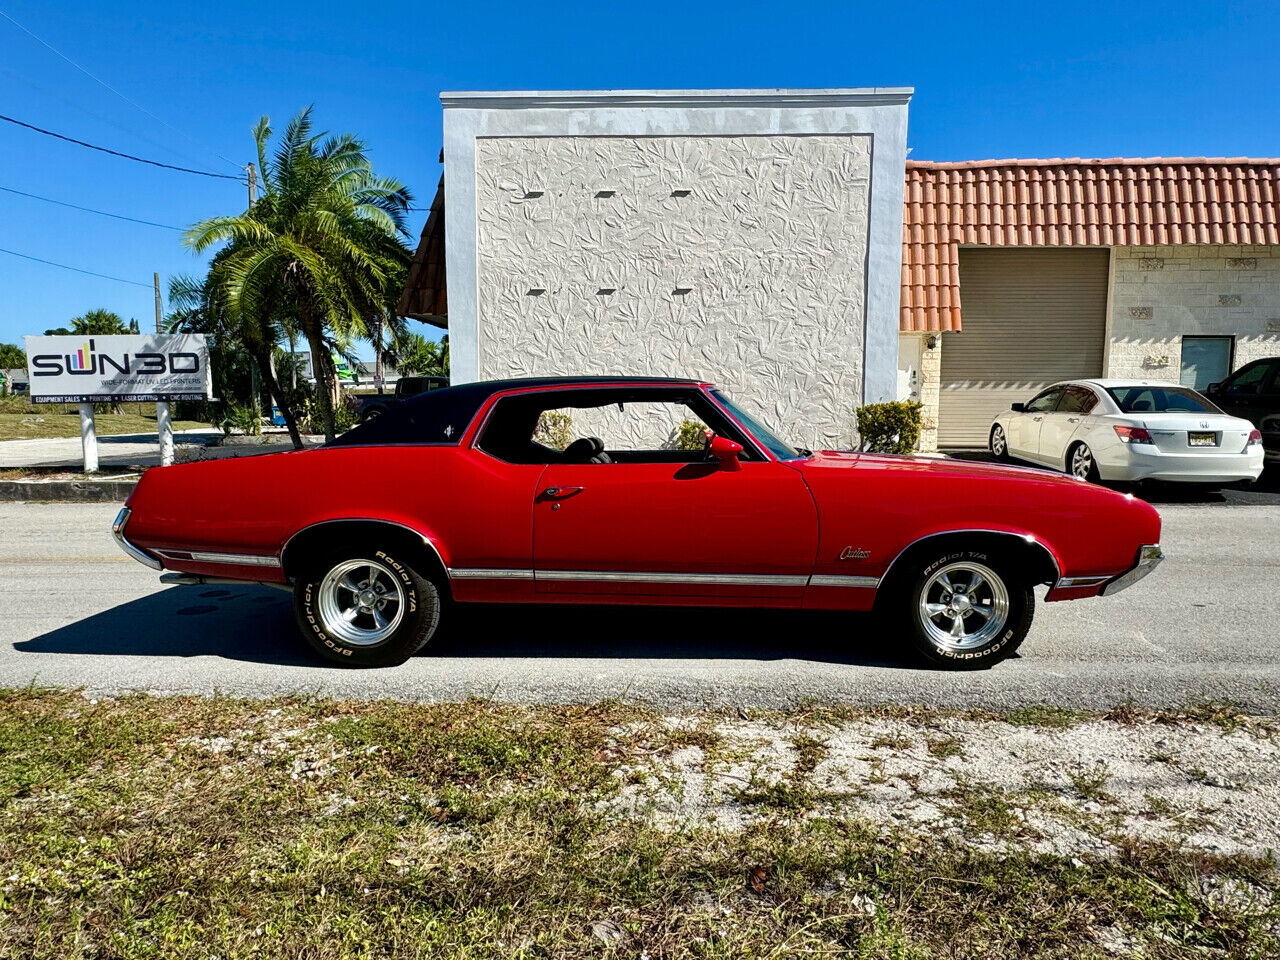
157 366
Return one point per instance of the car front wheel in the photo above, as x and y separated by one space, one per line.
999 443
967 609
366 608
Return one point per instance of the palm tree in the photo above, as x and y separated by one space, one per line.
324 240
201 306
93 323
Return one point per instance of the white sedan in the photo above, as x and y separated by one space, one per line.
1129 430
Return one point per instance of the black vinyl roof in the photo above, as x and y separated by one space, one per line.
442 416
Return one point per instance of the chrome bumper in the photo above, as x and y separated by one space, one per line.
117 531
1149 557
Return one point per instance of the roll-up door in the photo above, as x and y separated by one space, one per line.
1031 316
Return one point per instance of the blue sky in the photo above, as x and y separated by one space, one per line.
1003 80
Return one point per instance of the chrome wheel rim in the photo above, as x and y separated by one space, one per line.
1082 462
361 602
997 441
964 606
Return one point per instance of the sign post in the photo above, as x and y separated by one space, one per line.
164 420
88 438
138 367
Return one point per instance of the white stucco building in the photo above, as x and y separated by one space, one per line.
750 237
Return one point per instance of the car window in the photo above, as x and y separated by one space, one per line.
1142 399
1077 400
1045 401
604 426
1249 381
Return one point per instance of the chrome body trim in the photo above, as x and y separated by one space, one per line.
390 523
724 579
238 559
137 553
1149 557
488 573
1067 583
866 583
1025 537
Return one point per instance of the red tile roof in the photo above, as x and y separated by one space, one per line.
1118 202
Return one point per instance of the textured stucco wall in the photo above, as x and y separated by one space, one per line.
1160 294
741 259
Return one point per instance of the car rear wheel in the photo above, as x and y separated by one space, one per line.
1080 463
999 443
366 608
967 609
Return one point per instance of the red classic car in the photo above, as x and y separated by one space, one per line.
505 492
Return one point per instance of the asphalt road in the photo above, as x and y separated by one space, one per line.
1206 625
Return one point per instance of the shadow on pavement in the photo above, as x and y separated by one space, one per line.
255 624
1264 492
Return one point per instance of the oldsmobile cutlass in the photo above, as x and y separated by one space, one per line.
630 491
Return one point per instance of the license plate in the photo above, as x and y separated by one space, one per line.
1202 439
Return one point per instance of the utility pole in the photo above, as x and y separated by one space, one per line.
164 417
251 177
252 171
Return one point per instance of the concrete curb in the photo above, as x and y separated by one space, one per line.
67 491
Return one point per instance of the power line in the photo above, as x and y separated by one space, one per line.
108 86
24 256
117 153
101 213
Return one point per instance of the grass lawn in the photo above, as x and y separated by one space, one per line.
54 420
173 828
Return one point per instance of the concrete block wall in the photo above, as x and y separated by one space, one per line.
1161 294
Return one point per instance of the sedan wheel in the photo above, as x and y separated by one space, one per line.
999 444
366 608
1081 464
967 609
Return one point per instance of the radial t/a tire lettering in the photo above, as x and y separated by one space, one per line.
366 607
965 609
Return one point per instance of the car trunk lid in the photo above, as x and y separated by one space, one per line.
1196 432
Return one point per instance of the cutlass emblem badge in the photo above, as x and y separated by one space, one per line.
854 553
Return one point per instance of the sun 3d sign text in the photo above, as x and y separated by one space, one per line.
136 367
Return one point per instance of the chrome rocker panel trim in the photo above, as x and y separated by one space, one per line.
236 559
117 531
1149 557
611 576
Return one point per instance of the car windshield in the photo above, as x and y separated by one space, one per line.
1142 399
758 430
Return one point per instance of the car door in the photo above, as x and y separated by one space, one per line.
1024 428
652 525
1244 393
1060 424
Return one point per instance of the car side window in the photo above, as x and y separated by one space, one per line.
1248 382
1077 400
595 426
1045 402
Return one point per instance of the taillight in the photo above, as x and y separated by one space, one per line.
1133 434
1255 436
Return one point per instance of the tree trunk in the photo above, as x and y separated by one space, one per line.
321 368
267 369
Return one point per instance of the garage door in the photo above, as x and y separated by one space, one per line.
1031 317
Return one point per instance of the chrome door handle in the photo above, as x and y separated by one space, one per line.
1073 419
558 493
1037 419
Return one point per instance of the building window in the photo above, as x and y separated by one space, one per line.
1206 360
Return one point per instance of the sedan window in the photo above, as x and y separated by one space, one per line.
1248 382
1140 399
1045 401
1077 400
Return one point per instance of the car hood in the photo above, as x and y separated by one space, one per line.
931 465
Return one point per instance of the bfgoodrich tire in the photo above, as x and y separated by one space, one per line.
965 609
366 608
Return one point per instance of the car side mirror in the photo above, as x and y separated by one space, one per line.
1213 388
1019 407
724 450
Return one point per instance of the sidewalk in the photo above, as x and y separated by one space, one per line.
139 449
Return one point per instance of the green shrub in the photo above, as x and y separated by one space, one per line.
890 427
243 418
690 435
554 430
